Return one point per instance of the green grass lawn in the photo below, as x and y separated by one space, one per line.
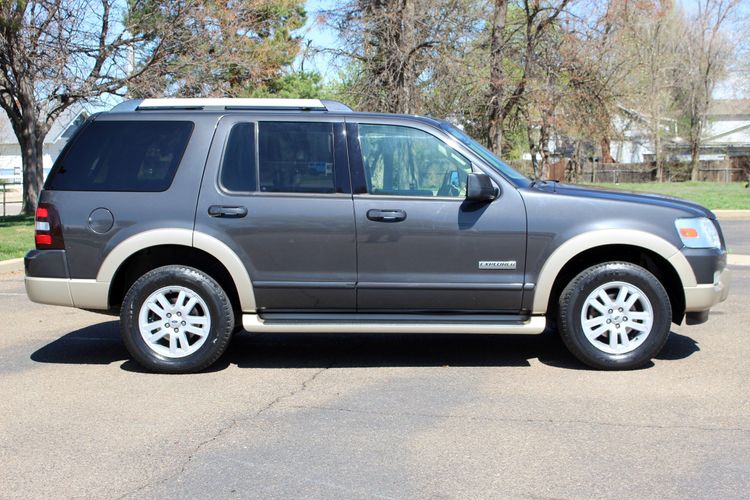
713 195
16 236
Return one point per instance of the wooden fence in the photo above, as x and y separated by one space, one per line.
591 172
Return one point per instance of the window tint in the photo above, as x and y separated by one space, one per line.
238 172
408 162
123 156
296 157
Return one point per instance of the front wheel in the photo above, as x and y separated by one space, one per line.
176 319
614 316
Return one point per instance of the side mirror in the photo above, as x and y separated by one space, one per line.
479 187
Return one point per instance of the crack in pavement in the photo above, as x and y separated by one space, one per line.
225 429
520 420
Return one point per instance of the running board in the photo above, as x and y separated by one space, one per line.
392 323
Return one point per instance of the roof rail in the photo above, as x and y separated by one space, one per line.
336 106
129 105
231 104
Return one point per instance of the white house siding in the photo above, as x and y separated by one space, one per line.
738 137
628 151
716 125
10 151
11 162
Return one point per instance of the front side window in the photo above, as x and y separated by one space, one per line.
122 156
516 177
296 157
404 161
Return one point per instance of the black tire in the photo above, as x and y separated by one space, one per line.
219 310
571 304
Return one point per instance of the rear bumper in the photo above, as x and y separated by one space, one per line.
703 297
84 294
47 282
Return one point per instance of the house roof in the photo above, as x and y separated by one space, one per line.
644 117
66 118
729 107
7 136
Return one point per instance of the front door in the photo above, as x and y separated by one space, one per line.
421 246
277 191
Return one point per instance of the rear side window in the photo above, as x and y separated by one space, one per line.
238 171
296 157
122 156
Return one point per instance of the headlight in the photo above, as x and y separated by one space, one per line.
698 233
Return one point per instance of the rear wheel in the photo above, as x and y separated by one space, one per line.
176 319
614 316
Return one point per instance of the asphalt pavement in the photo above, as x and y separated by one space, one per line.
737 236
394 416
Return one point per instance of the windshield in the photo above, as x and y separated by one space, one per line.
484 153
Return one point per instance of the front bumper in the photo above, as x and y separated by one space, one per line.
702 297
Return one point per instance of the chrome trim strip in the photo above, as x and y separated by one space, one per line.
534 326
304 284
391 317
379 285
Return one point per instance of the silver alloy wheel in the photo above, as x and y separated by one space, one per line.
617 317
174 321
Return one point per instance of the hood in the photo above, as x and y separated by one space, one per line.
627 196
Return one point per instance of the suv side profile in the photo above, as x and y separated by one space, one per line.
196 218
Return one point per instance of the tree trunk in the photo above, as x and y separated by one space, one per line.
658 158
532 150
695 163
544 150
695 149
32 154
606 150
496 113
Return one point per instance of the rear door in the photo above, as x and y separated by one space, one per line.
421 246
277 191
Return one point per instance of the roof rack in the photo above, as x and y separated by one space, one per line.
225 103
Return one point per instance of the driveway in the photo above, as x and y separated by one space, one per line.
310 415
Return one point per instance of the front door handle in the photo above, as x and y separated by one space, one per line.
227 211
386 215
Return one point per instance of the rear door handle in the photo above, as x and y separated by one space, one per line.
386 215
227 211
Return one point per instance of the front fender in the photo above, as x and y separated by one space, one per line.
592 239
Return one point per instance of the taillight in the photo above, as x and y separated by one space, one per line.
48 233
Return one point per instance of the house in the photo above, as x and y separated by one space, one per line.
634 138
726 134
10 151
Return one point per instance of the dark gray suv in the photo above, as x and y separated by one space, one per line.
197 218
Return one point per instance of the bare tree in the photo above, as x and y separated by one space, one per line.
705 54
54 53
396 48
654 35
506 93
498 42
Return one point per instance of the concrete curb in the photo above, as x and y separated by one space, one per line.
738 260
10 266
732 214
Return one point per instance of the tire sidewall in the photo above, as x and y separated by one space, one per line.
596 276
199 283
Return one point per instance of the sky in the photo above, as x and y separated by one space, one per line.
321 36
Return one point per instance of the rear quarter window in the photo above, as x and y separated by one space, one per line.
122 156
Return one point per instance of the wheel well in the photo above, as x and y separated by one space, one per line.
651 261
150 258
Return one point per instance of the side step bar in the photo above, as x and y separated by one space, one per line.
393 323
